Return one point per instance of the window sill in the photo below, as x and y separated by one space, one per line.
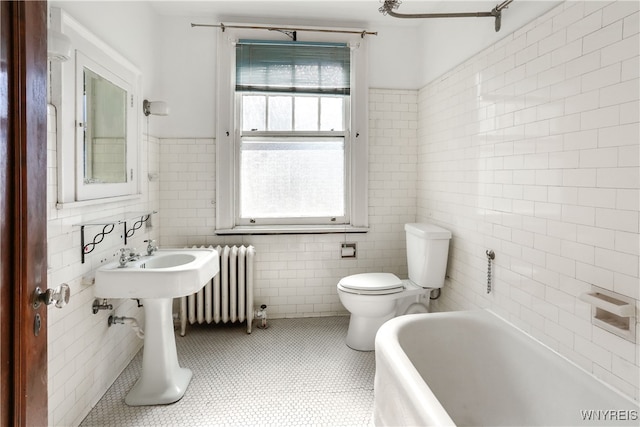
292 229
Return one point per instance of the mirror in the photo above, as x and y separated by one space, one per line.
105 130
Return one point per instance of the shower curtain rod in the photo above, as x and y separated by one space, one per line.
291 32
389 6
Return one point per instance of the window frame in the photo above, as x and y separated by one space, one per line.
229 133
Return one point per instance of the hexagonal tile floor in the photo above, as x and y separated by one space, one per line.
298 372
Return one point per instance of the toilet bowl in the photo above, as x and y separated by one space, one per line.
374 298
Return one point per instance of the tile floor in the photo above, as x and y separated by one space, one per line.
298 372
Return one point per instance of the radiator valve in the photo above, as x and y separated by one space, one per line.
262 315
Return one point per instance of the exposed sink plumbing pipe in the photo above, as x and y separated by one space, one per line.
128 321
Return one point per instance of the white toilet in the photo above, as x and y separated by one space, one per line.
372 298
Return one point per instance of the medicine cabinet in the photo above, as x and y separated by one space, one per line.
97 95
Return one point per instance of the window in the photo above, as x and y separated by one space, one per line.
290 161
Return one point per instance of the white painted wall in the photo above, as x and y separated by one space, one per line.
187 76
130 27
393 63
530 148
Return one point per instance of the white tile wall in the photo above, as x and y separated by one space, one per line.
531 148
85 356
297 275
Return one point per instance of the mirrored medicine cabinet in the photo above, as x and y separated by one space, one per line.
104 129
97 95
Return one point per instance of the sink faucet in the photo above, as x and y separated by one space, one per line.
151 247
127 255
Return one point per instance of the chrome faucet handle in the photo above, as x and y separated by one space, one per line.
151 247
124 258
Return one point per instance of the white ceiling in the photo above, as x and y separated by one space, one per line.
351 13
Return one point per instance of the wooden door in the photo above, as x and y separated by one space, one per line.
23 183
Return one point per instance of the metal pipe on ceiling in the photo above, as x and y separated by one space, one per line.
389 6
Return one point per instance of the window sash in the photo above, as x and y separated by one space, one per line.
293 146
248 138
256 116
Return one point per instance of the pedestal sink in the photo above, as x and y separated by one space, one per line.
156 280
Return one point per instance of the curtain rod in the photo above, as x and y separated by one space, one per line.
288 31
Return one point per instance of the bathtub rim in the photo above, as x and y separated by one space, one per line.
403 368
391 350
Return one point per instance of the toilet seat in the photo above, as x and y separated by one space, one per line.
371 284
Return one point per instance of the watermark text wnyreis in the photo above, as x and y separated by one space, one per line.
609 414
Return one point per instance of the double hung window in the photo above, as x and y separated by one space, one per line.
293 146
293 102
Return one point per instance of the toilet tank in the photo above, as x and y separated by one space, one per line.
427 253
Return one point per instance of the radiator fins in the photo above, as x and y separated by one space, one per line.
228 297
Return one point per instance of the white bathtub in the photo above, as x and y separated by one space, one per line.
474 368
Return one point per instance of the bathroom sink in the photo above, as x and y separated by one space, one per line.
155 280
168 261
168 273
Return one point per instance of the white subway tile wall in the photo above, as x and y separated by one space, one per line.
530 148
85 356
296 275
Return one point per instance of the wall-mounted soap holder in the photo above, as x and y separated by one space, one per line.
612 312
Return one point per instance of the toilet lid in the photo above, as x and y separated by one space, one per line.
372 282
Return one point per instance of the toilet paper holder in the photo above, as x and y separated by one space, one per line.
348 250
